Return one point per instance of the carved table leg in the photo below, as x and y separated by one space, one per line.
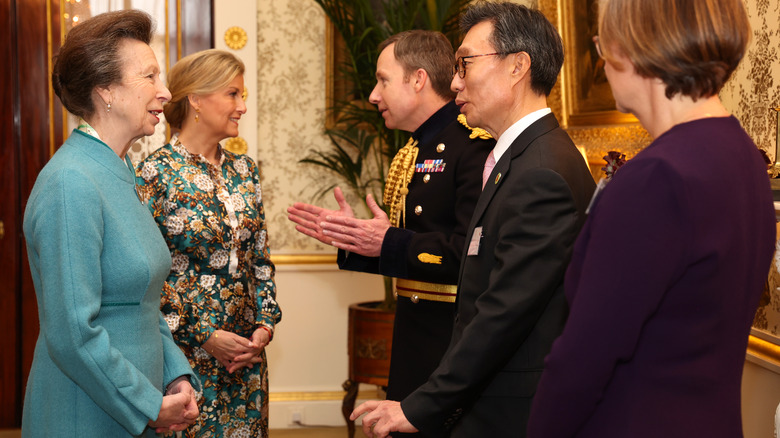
348 404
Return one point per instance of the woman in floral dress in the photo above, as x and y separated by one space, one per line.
219 299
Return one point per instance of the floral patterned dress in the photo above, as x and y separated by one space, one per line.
221 278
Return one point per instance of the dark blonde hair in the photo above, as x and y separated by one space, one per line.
89 57
692 46
200 73
428 50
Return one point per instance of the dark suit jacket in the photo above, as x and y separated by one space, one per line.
511 304
441 199
663 285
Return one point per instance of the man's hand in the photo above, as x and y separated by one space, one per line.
361 236
308 217
382 417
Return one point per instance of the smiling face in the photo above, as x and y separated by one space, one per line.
394 96
221 110
485 93
138 99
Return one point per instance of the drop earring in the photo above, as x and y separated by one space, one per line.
108 107
197 116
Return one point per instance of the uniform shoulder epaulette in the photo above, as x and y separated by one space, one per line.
475 132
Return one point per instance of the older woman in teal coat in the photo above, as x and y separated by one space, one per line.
105 363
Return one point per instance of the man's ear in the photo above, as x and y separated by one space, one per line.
419 79
522 64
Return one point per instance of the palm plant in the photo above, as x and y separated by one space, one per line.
361 146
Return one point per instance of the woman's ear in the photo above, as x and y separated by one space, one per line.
104 93
194 101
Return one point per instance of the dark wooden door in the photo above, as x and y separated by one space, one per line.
31 126
31 130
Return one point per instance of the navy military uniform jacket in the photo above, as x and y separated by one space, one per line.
442 195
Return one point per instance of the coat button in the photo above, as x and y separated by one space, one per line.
440 148
427 177
418 210
415 299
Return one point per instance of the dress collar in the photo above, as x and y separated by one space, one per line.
177 145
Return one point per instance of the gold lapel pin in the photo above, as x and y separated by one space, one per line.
498 177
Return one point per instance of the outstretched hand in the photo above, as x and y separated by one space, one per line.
308 217
361 236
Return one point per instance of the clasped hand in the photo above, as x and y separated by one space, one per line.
340 228
235 352
179 408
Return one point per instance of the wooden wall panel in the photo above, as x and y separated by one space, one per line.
31 123
10 269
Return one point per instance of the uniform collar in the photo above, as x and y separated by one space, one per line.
436 123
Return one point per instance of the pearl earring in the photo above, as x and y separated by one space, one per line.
108 107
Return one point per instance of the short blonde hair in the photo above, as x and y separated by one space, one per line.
693 46
200 73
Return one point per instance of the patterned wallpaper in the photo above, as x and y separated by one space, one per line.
291 112
754 88
291 106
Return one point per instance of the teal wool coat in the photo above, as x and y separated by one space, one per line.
104 353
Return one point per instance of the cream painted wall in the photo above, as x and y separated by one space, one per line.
760 397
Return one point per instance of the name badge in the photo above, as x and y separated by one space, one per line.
474 243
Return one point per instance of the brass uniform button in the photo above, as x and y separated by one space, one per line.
415 299
427 177
440 148
404 191
418 210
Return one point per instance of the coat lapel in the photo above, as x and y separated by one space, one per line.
500 172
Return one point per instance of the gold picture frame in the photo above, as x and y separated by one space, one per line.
586 96
597 131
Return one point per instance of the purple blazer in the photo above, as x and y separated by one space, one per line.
663 285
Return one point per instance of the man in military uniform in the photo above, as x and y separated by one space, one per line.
432 189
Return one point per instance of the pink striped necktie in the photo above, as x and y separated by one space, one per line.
490 163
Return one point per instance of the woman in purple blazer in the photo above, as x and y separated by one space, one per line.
667 272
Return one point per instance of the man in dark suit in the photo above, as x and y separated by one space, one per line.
437 178
510 304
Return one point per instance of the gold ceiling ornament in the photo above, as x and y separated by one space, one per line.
237 145
235 38
245 94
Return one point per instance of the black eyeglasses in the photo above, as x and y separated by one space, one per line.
460 64
598 46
